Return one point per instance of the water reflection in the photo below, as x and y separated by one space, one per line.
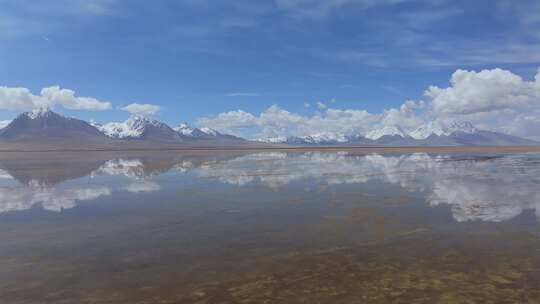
51 199
491 188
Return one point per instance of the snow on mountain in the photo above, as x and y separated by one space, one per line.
185 129
133 127
4 123
94 123
428 129
325 138
385 131
315 139
273 140
319 138
39 113
210 131
431 133
461 126
437 128
43 124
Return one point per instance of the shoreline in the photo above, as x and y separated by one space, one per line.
371 149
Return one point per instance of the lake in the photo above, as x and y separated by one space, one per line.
269 227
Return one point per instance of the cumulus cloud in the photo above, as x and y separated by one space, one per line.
404 117
22 99
485 91
67 99
496 100
143 109
51 199
275 121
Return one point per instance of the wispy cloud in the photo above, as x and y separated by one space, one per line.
141 109
319 9
26 18
243 94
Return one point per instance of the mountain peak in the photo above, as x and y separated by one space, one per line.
430 128
439 129
462 126
385 131
138 127
185 129
210 131
139 120
42 123
39 113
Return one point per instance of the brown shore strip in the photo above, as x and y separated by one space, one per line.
367 149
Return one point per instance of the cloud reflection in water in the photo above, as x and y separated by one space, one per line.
476 187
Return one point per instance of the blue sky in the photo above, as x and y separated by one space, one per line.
200 58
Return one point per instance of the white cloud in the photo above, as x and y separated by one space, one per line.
22 99
497 100
67 99
485 91
276 121
143 109
51 199
471 188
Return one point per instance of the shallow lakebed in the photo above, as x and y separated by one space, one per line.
270 227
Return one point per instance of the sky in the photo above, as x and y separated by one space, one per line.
277 67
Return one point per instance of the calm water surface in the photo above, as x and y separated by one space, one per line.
270 227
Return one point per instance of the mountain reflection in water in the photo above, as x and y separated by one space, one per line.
269 227
476 187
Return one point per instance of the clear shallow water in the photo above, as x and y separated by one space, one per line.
315 227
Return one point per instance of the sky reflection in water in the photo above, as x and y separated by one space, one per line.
493 188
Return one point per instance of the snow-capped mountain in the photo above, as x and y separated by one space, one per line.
43 126
43 123
273 140
186 130
430 134
210 131
428 129
385 131
436 128
139 127
189 132
320 138
316 139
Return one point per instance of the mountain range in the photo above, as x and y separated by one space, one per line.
429 134
50 130
43 128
